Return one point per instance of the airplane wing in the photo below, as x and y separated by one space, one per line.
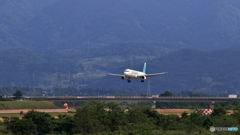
116 75
149 75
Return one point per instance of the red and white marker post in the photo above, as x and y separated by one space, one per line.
66 106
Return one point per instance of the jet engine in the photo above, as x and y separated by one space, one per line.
124 78
143 77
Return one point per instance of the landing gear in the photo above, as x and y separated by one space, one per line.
142 81
129 80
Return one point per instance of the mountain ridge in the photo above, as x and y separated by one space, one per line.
60 24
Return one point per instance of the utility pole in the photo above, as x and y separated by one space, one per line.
59 84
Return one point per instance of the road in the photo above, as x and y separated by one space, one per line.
135 99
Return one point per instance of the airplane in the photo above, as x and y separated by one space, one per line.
129 73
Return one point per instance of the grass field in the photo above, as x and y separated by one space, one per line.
54 114
26 105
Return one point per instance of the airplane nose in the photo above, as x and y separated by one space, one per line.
126 73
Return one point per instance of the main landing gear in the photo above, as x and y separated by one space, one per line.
130 80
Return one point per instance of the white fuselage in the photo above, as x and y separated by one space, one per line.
134 74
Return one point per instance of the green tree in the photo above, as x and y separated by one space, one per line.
117 117
169 122
236 113
195 95
225 121
208 122
17 94
196 119
135 114
91 118
166 94
43 121
64 124
184 115
191 123
20 126
219 111
139 121
152 114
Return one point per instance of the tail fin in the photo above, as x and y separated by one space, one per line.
144 68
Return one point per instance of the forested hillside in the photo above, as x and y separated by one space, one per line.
61 24
14 15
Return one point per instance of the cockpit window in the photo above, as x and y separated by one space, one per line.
127 70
